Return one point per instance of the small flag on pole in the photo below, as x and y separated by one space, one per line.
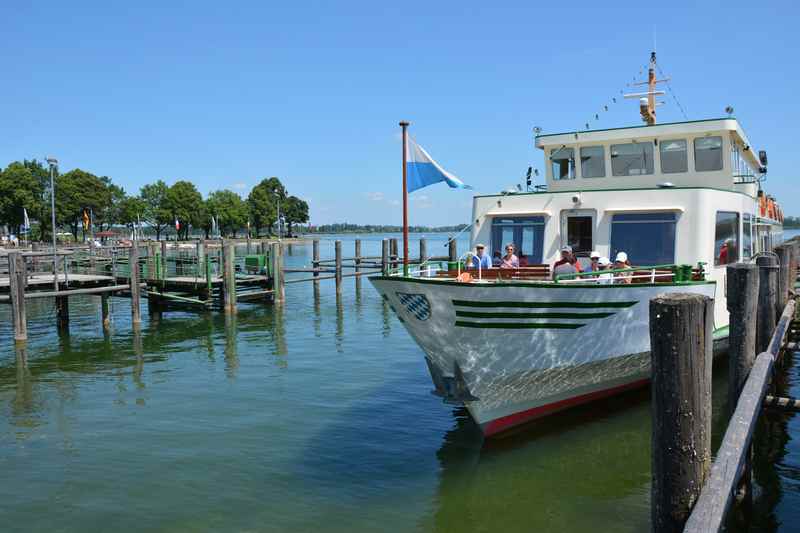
423 170
26 223
177 224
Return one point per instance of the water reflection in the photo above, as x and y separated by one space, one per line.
231 336
339 324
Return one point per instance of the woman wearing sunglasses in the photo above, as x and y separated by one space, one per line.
509 260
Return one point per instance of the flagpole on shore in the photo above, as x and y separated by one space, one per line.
404 125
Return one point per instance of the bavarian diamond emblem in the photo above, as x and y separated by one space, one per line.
416 304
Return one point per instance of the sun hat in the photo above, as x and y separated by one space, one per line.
622 257
566 249
604 261
594 254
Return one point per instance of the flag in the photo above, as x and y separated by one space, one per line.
422 170
85 219
26 223
177 224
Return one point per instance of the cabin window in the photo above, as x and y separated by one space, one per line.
674 156
747 236
632 159
593 162
563 163
707 153
647 238
527 234
726 238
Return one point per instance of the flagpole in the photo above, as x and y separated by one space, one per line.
404 125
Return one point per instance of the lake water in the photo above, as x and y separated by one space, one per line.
314 416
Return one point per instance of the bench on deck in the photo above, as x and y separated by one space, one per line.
538 272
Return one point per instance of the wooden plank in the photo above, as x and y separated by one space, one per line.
717 494
76 292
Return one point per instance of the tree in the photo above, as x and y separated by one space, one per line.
19 189
263 203
112 213
78 190
185 205
229 209
131 209
295 211
156 213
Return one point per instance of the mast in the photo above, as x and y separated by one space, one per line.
647 100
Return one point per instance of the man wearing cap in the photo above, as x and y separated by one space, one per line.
567 264
481 259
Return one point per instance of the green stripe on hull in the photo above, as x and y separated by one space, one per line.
517 325
542 305
502 314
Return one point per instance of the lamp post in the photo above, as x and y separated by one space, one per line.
53 162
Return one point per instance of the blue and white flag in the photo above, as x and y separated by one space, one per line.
422 170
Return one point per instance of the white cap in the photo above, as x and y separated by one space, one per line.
479 245
594 254
622 257
566 249
604 261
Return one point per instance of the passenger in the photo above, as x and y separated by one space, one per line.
603 263
523 260
497 259
594 266
567 264
509 260
480 259
726 251
621 262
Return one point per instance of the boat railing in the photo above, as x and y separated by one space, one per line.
646 274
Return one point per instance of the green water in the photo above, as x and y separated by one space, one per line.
316 416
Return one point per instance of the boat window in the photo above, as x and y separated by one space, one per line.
527 234
632 159
747 236
726 238
707 153
563 162
674 157
647 238
593 162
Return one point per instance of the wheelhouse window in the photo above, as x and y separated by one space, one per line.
593 162
674 156
726 238
747 236
527 234
707 154
647 238
563 163
634 159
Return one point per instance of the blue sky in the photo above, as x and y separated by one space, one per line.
224 94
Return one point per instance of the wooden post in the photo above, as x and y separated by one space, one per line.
452 251
338 249
229 278
393 251
766 317
248 244
357 258
133 261
315 259
277 273
62 312
164 258
784 259
105 309
385 257
16 278
423 251
681 328
201 258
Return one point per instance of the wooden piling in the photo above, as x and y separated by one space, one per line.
681 328
394 254
277 273
163 267
229 278
766 317
338 250
385 257
16 278
782 297
248 244
315 260
452 251
62 312
423 251
105 310
133 261
357 257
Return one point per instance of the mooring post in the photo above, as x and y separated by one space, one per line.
315 260
423 251
276 264
248 244
16 279
163 270
385 257
338 250
201 257
393 252
105 310
766 317
62 312
681 330
784 258
357 258
133 261
229 278
452 251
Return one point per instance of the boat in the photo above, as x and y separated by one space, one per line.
681 199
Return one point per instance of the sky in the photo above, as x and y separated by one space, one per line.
226 93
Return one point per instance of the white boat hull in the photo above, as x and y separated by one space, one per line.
516 351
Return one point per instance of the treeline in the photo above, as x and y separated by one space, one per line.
791 222
25 186
344 227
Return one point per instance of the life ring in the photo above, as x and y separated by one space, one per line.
465 277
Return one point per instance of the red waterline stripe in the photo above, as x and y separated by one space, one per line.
504 423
